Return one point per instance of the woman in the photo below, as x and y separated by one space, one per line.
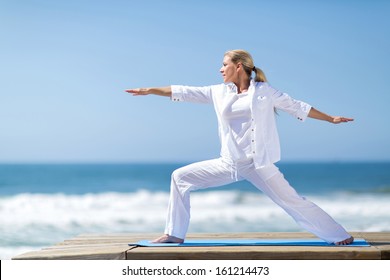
245 110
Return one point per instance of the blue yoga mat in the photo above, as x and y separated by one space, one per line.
359 242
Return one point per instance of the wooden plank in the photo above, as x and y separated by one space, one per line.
115 246
379 240
78 252
252 253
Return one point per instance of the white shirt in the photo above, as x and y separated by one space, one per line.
264 99
238 116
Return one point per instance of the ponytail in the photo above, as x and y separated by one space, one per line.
260 76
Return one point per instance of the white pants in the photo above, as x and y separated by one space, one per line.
218 172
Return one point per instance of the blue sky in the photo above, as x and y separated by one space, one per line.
64 66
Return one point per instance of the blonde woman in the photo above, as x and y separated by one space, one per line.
245 109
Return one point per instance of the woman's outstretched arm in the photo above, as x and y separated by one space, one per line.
315 114
162 91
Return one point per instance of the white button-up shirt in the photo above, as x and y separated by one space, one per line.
239 117
264 99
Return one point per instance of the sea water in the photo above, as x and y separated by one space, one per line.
42 204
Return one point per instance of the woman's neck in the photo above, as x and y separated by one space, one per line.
242 85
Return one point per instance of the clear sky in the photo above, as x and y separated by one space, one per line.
64 66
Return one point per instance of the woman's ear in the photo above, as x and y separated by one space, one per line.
239 66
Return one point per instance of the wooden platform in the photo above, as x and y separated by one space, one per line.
114 247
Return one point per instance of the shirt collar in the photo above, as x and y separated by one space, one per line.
232 86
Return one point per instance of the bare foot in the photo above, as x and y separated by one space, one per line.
345 242
168 239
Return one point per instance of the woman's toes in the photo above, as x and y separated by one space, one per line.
168 239
345 242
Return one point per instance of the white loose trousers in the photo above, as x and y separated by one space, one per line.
218 172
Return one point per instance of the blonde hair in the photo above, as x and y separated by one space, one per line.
246 60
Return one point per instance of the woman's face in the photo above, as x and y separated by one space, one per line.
229 70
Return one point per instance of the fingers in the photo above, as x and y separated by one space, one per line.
132 91
346 119
341 119
136 91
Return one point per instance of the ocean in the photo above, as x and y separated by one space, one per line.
43 204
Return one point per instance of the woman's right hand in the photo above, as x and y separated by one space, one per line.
138 91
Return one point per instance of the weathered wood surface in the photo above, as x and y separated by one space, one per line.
115 246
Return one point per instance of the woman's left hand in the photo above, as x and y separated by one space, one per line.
337 120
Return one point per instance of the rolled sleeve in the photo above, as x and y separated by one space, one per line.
177 93
303 112
296 108
191 94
